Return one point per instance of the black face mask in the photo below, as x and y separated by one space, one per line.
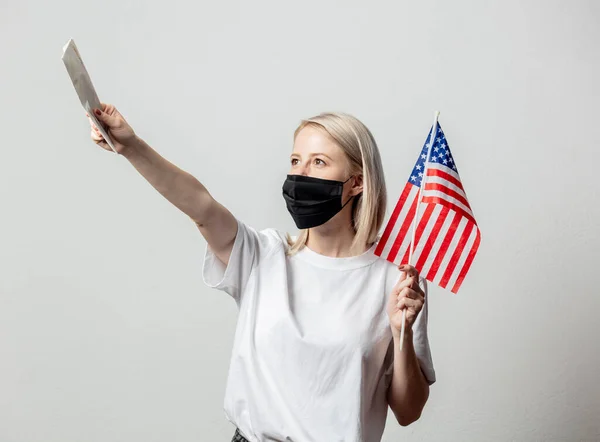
312 201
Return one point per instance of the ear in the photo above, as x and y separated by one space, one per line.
357 185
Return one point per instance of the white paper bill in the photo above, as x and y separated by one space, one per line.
83 86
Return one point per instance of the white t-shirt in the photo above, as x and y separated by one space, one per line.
313 351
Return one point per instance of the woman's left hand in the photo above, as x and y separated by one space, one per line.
407 294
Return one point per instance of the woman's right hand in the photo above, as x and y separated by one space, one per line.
119 130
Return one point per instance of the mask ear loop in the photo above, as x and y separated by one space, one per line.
347 201
350 197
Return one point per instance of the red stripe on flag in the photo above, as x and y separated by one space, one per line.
448 191
467 263
446 176
420 229
392 221
456 255
432 237
445 203
444 247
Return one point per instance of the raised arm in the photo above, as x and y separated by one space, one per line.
183 190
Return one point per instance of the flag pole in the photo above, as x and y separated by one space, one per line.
436 115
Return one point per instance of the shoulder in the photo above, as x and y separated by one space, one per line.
275 237
266 240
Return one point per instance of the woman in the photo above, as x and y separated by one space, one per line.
316 351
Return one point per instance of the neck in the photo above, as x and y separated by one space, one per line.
334 238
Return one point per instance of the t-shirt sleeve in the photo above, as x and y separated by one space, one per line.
248 248
421 340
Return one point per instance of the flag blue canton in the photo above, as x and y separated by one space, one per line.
440 153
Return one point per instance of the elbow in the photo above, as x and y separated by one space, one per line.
410 409
405 421
407 415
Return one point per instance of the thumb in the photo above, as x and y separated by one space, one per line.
110 120
401 278
402 273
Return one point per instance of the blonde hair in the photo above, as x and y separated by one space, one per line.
368 208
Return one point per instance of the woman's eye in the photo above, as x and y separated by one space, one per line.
294 161
319 162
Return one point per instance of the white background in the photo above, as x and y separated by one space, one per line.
107 332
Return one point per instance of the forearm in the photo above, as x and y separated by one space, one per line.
409 390
182 189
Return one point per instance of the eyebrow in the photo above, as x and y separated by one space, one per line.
313 155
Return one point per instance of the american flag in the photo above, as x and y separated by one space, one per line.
447 236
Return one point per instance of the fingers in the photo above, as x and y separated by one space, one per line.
96 136
414 304
92 124
406 272
409 270
107 108
410 282
99 140
108 115
410 293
